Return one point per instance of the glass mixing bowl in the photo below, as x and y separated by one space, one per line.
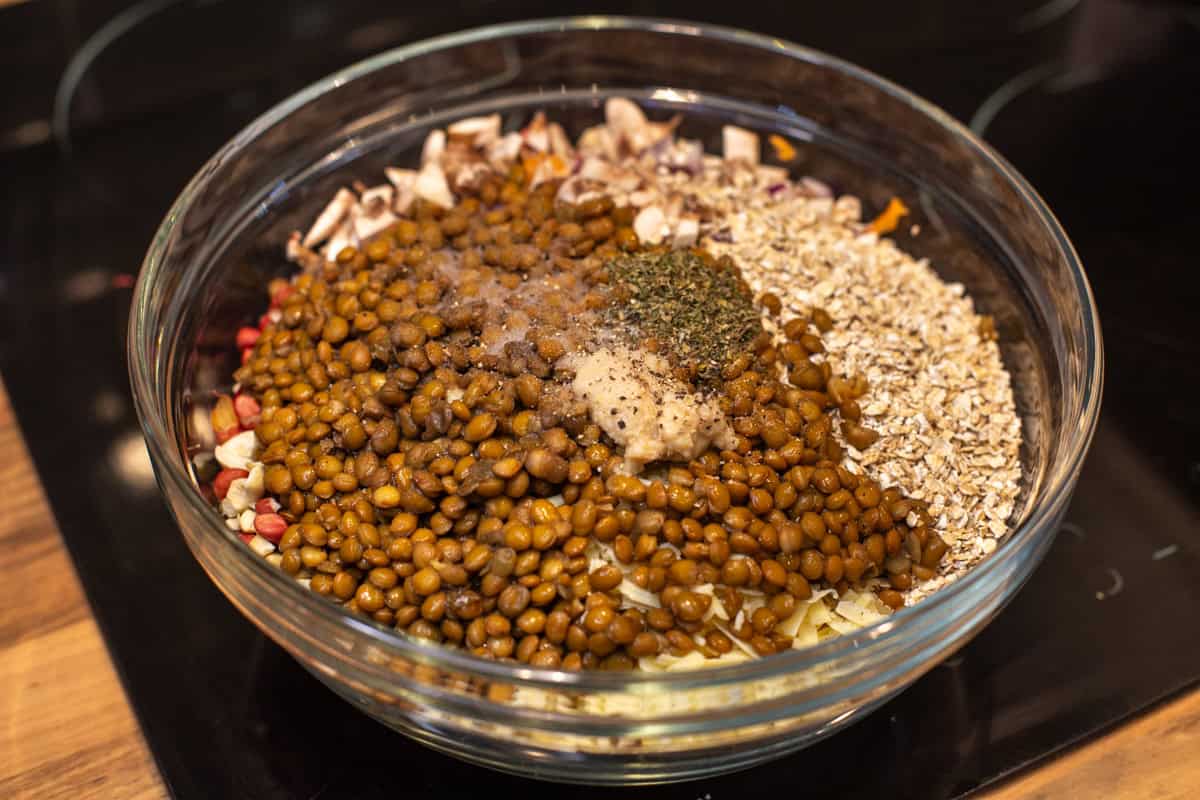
982 225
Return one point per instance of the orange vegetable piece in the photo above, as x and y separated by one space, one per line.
531 163
890 218
784 150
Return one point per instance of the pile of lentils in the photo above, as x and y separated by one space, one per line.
426 465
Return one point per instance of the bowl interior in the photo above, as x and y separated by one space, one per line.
978 223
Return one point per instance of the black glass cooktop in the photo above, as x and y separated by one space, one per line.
109 109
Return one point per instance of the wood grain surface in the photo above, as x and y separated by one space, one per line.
66 729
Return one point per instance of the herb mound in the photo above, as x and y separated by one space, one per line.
702 314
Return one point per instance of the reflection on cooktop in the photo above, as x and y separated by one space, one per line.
227 713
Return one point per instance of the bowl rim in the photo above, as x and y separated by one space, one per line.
1059 480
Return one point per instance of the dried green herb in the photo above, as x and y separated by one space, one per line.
702 314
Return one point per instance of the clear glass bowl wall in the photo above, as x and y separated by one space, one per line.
980 224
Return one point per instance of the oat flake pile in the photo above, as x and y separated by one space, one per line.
613 403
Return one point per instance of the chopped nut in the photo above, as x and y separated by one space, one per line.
740 144
687 231
815 188
650 225
237 452
261 546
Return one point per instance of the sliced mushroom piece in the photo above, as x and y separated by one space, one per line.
297 253
657 136
431 185
329 219
404 200
464 166
596 169
367 225
624 118
343 237
598 141
476 131
549 168
577 189
471 175
560 144
377 199
536 134
502 152
435 145
739 144
404 180
401 178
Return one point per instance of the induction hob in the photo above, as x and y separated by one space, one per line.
1091 100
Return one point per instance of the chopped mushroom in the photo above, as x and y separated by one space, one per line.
597 169
297 253
343 237
502 152
435 145
536 134
548 168
476 131
404 180
401 178
329 219
625 120
575 190
367 224
598 141
471 175
560 145
431 185
376 199
629 126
